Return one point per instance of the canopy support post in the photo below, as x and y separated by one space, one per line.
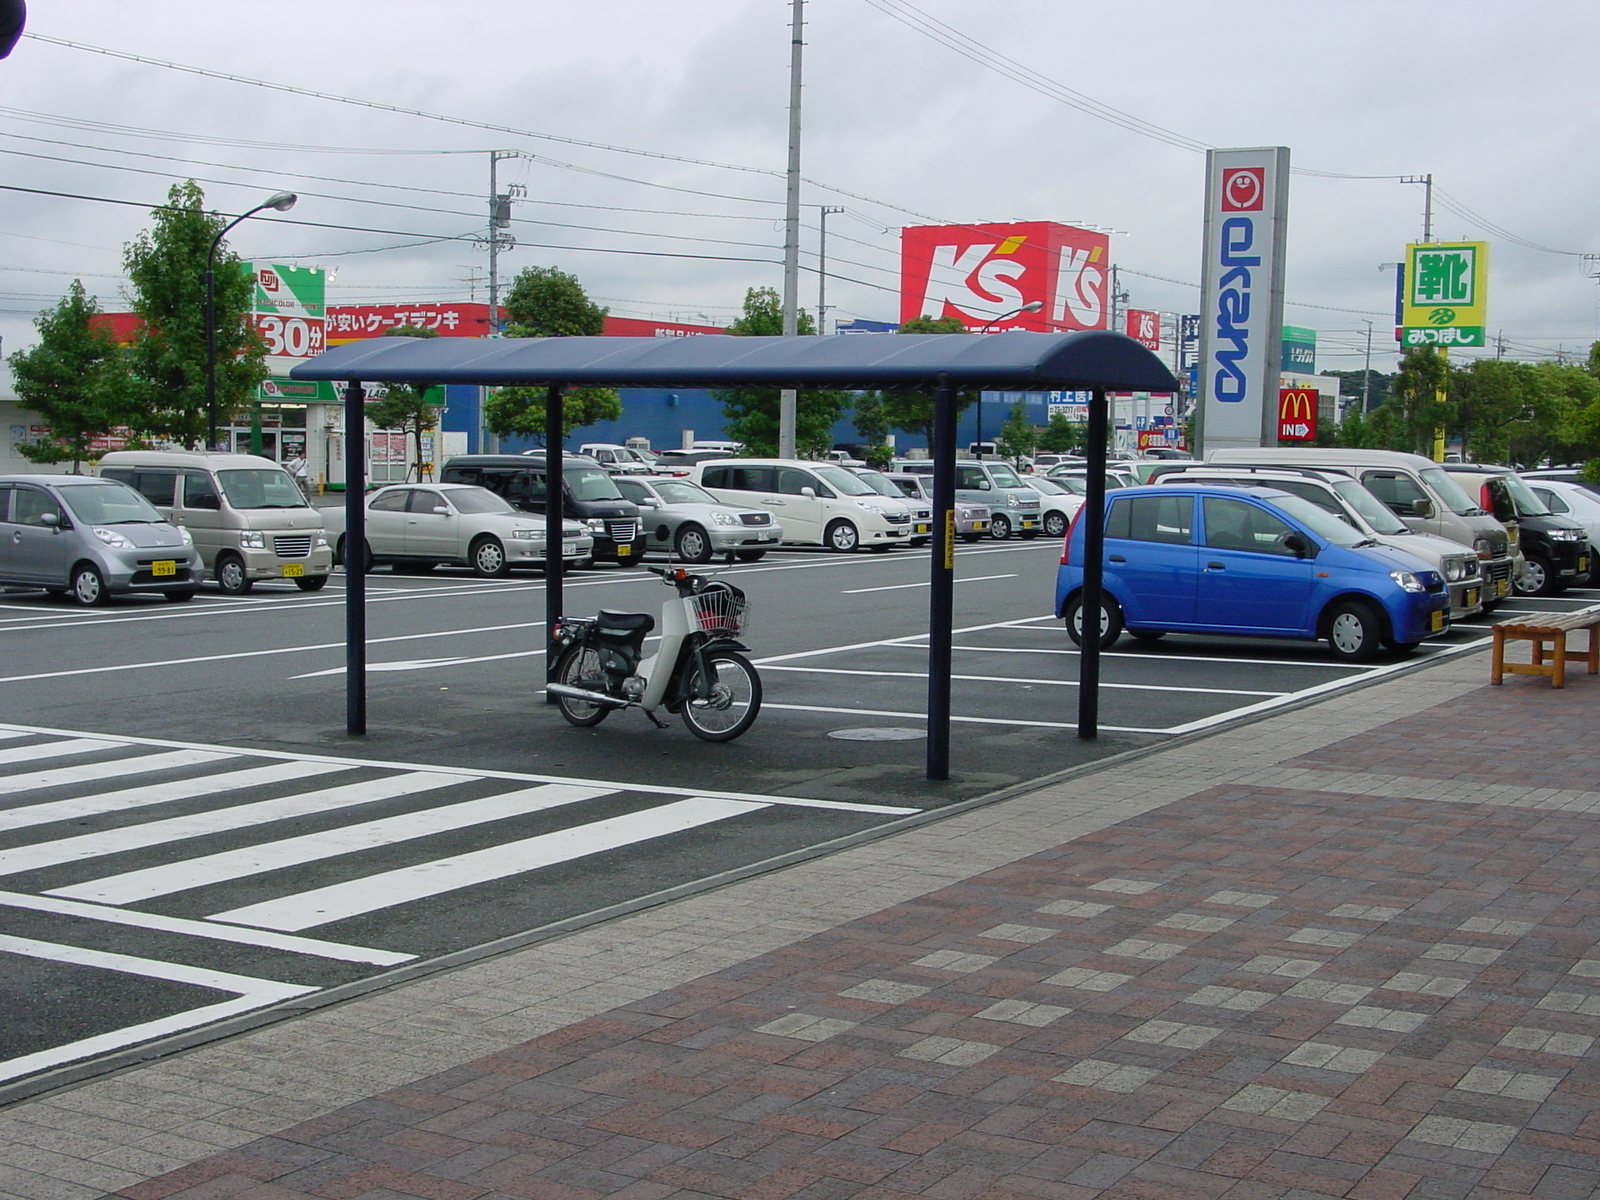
942 578
355 559
554 518
1094 538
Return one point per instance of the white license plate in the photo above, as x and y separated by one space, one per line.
293 570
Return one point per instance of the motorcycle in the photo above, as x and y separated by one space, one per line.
696 672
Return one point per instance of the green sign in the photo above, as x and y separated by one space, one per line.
1299 350
1442 335
1446 295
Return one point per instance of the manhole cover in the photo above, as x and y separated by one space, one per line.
886 734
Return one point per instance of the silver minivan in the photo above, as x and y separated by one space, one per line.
1014 507
249 519
88 538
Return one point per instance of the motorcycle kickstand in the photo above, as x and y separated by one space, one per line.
654 720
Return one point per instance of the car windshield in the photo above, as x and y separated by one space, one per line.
1048 486
109 504
478 500
1445 488
1373 511
1528 505
1004 476
645 456
908 487
879 484
1320 521
265 487
590 483
1075 484
846 483
678 491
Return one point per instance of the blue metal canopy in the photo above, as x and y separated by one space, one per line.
1012 361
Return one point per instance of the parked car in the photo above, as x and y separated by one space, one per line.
1416 490
681 463
1250 561
1576 503
972 520
1014 507
1345 498
1058 504
817 503
1555 550
1043 461
249 519
686 519
1076 477
417 526
921 514
91 539
589 495
619 460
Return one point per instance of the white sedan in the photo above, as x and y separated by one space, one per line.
423 525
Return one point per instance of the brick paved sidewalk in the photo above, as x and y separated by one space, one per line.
1358 960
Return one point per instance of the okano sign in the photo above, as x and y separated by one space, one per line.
980 273
1241 319
1445 301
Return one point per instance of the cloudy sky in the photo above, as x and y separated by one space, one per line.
914 110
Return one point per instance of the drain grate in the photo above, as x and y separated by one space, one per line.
881 734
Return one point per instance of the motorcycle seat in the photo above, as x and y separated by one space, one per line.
614 623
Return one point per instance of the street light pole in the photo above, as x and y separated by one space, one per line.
1032 306
282 202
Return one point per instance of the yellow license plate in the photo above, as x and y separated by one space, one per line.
1435 622
1583 565
165 567
924 527
1512 535
624 551
1028 524
1469 598
980 525
293 570
1501 587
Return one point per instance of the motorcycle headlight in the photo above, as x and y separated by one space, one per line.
724 518
1407 581
253 539
112 538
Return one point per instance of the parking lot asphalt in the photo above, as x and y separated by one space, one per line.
182 814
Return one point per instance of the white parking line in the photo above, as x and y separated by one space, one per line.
922 716
895 587
1131 687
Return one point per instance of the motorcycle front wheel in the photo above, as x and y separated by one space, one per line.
579 666
723 706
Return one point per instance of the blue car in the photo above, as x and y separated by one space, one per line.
1250 561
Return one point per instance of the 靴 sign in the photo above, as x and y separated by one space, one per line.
1241 318
979 273
1297 414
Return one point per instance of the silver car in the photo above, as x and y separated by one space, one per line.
688 520
91 539
421 525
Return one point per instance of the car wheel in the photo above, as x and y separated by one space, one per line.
231 577
692 545
842 536
489 558
749 555
1055 525
1355 632
1537 579
1148 636
311 583
1110 620
970 538
89 586
1000 527
180 597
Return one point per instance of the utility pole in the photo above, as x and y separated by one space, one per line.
1427 201
787 398
1366 375
499 221
822 265
1500 344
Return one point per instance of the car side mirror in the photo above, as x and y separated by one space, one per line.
1297 545
647 503
809 493
51 519
441 510
1422 508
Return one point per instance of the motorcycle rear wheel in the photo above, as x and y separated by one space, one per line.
579 666
722 708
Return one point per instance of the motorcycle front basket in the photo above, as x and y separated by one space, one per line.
722 613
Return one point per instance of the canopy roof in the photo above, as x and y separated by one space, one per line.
1012 361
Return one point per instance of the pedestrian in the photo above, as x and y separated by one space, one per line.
297 469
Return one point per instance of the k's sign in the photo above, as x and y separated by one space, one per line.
1241 318
977 273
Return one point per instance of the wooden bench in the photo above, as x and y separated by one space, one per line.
1548 634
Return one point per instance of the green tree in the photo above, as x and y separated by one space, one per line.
872 427
1350 385
1017 438
406 409
1062 435
1490 397
1421 401
167 265
752 413
912 412
548 302
76 378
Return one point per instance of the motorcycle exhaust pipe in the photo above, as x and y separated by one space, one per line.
588 697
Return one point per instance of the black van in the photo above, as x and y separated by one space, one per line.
590 496
1556 548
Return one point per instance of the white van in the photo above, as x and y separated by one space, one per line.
816 503
248 518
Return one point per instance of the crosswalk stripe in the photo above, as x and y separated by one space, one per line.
240 816
160 793
336 902
10 785
58 749
11 733
163 880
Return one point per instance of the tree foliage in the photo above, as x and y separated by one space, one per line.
752 413
872 427
167 265
407 409
1062 435
76 379
548 302
1017 438
912 412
